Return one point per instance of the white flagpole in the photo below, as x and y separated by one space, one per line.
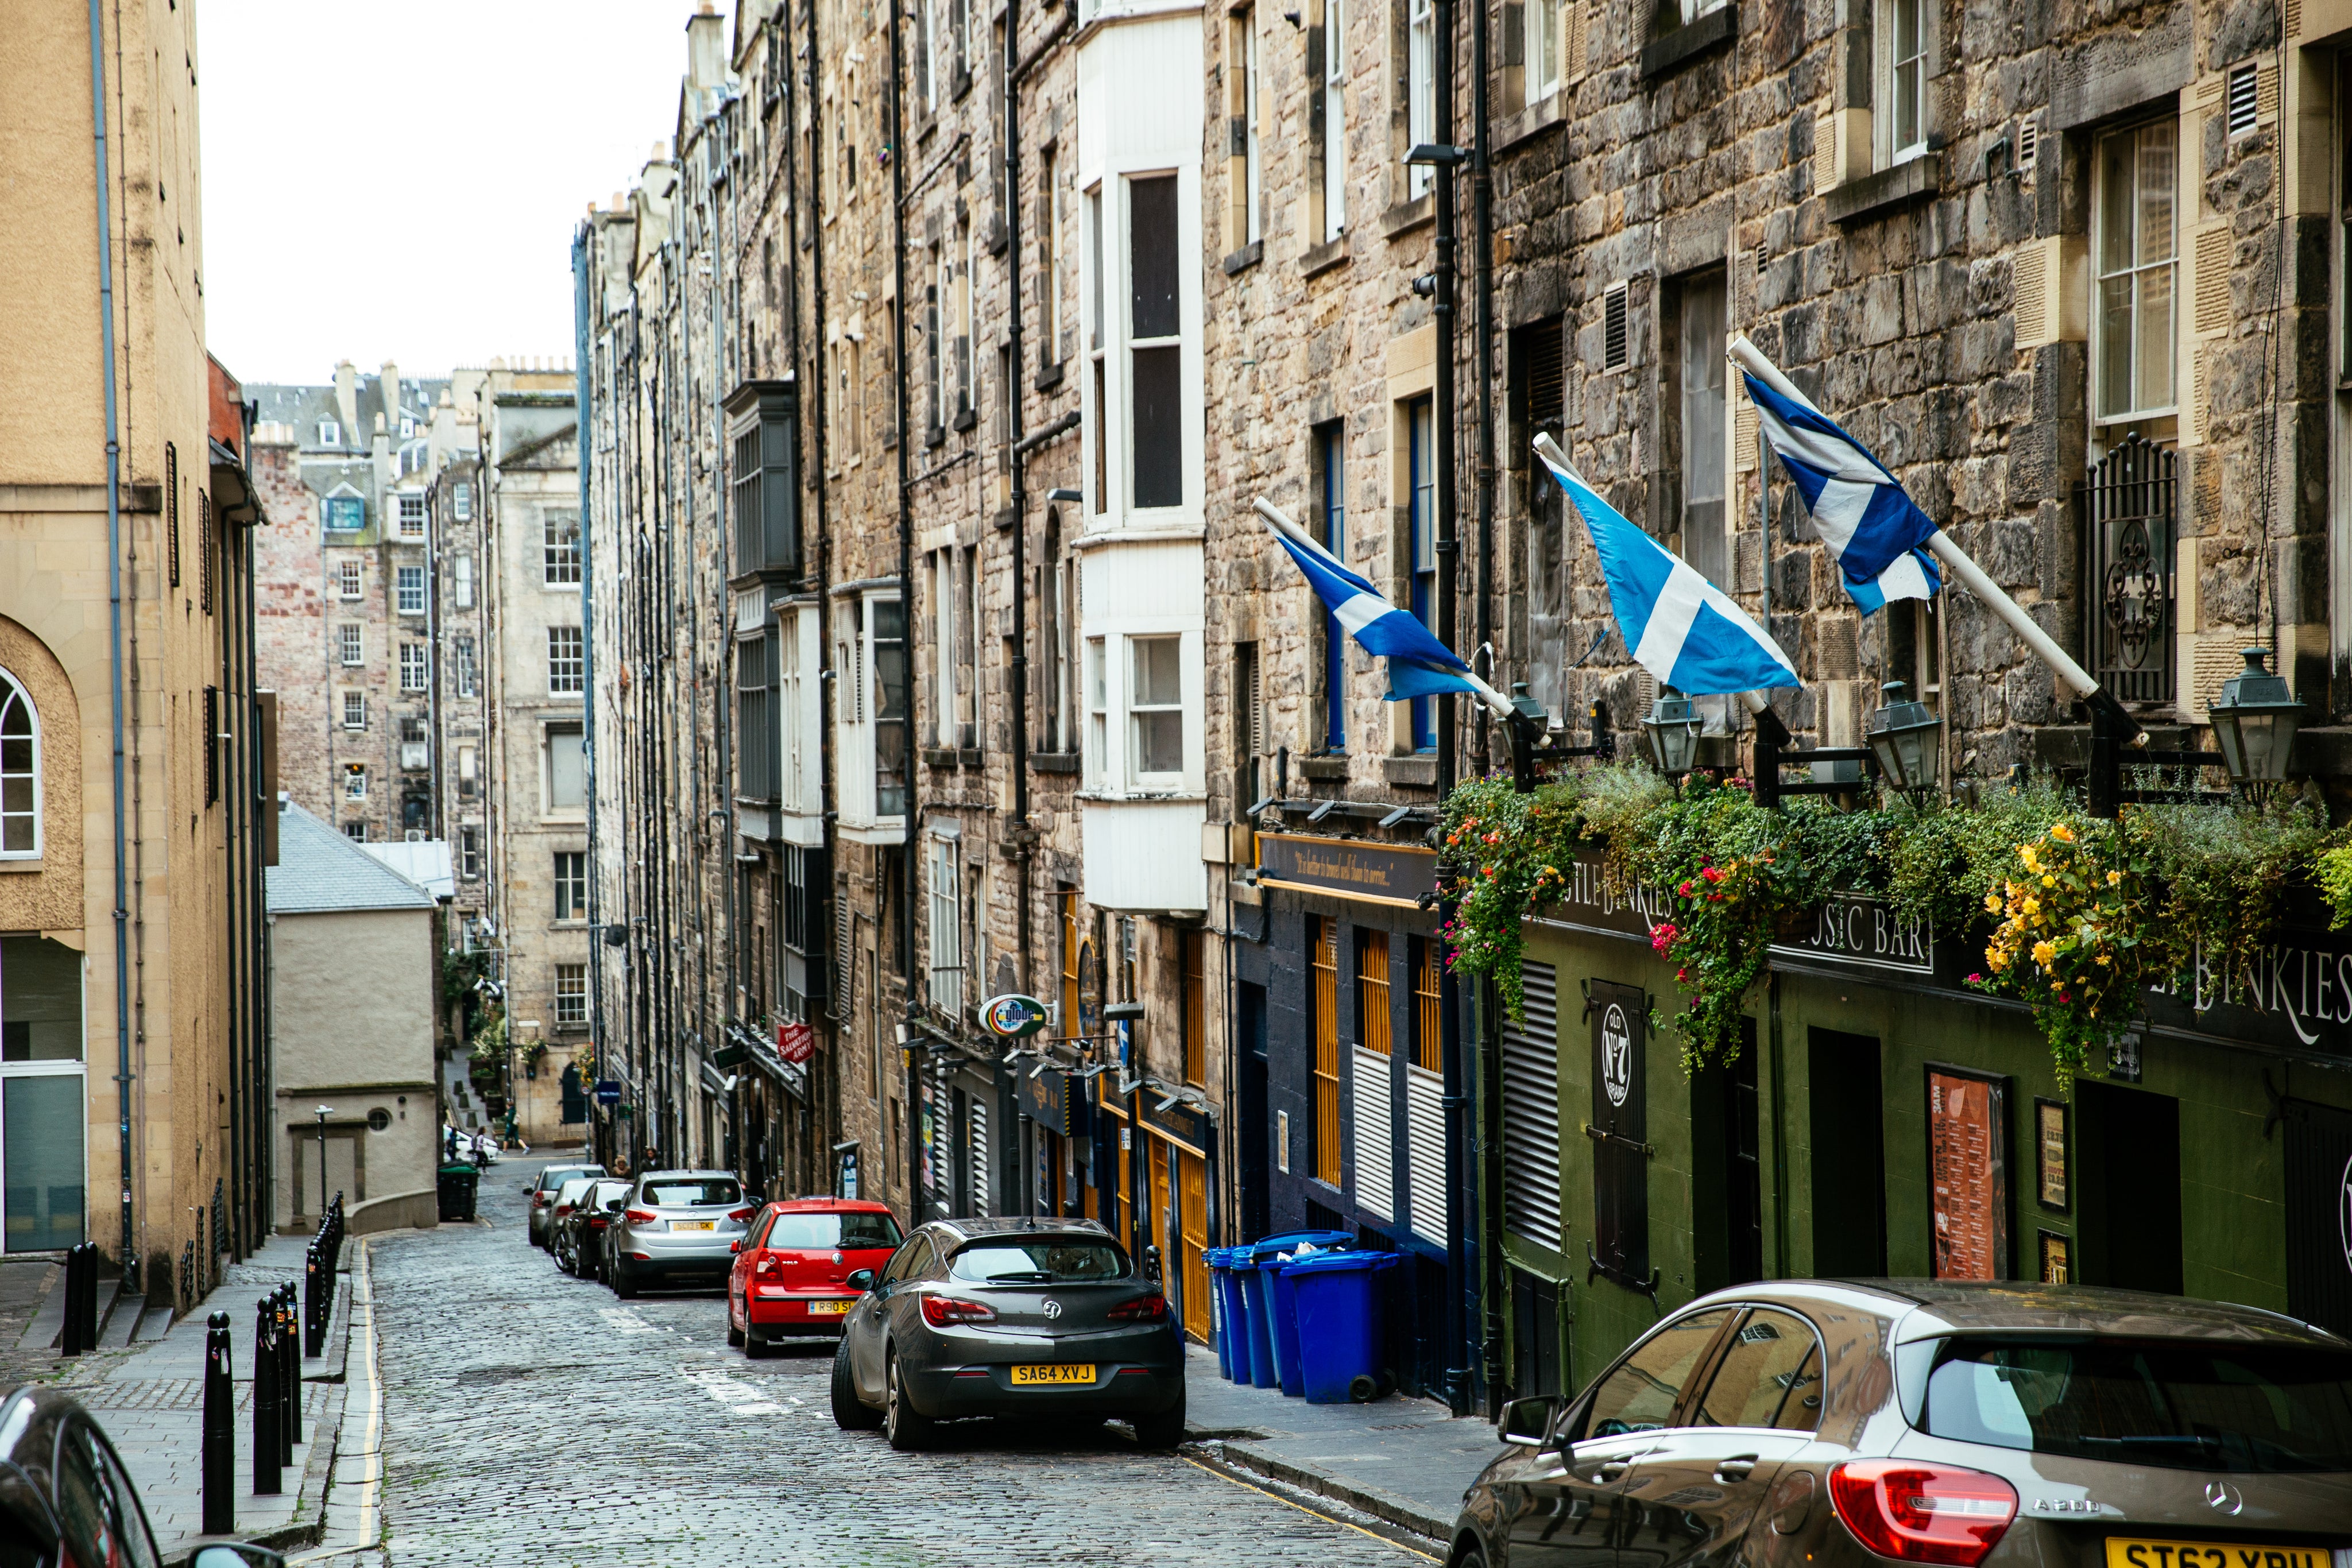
1750 358
1296 535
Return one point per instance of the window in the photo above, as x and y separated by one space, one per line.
963 325
1421 91
1155 384
172 508
790 694
1616 342
1331 479
461 651
347 579
1055 344
767 516
1249 721
461 581
570 995
329 432
356 831
943 648
1323 947
2135 177
411 515
414 667
1771 1376
1195 945
560 549
566 662
1427 1019
566 769
1700 345
1421 479
1902 28
1101 496
1543 67
1097 710
20 772
1693 10
570 884
355 781
409 588
1247 180
355 710
887 636
1331 121
469 853
461 501
946 928
1156 705
469 773
1053 635
756 750
1375 1032
1641 1393
346 514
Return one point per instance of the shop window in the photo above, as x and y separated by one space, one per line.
1323 1001
42 1156
1428 1033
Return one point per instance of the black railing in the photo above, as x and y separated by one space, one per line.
2127 504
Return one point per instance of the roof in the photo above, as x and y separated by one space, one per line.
1013 1225
319 871
2025 1305
425 863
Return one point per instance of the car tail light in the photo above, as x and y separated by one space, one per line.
1917 1513
598 1221
741 1213
766 1266
939 1312
1142 1310
540 1200
642 1216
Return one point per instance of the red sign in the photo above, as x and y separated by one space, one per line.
795 1042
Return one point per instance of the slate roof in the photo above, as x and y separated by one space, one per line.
319 870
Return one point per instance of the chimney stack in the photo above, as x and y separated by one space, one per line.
347 401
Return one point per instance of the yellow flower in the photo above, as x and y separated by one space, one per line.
2105 961
1993 903
2114 878
2062 833
2032 906
2025 852
2049 882
2043 952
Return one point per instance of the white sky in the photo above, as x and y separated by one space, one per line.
402 181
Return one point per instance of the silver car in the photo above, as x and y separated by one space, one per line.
543 1195
678 1227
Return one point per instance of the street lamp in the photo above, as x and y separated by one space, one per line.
1904 735
322 1159
2255 722
1673 724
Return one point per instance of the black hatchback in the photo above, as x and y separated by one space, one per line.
1009 1317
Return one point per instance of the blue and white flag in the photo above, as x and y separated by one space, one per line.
1681 628
1870 526
1419 665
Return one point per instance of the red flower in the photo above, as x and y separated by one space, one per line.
1715 898
1712 873
1663 938
1684 887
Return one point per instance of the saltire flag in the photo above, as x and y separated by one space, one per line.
1419 665
1866 521
1681 628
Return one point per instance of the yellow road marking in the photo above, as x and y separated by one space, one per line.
1310 1513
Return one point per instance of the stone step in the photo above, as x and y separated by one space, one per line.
154 1324
122 1319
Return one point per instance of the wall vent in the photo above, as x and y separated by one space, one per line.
1615 348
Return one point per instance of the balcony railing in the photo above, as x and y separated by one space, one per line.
2130 525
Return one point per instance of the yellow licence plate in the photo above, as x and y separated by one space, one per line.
827 1309
694 1224
2147 1553
1034 1376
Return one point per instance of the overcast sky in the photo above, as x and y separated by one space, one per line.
402 181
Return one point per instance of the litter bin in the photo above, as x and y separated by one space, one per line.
458 1186
1336 1297
1234 1333
1274 1332
1215 1259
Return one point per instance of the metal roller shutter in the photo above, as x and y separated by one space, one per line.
1531 1113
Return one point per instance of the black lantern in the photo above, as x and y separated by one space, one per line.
2255 721
1673 725
1906 737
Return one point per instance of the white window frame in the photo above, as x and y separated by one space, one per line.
563 682
330 433
461 580
2136 275
1253 159
408 590
1544 53
409 509
1138 710
355 706
351 644
461 500
943 882
570 1009
559 563
1421 91
415 667
547 738
1335 119
570 913
1898 71
350 581
1098 677
17 694
462 652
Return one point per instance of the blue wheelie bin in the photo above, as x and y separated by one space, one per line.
1336 1297
1216 1258
1274 1329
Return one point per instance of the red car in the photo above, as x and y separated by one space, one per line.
792 1275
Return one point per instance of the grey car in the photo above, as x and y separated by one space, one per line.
678 1227
1806 1424
543 1188
1009 1317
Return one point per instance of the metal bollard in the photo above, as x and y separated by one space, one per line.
289 1369
80 1331
220 1430
311 1336
268 1449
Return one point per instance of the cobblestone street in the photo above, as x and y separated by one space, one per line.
533 1418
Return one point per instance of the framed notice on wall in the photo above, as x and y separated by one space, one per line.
2057 1258
1967 1174
2050 1155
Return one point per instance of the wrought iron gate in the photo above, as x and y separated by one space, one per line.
2129 523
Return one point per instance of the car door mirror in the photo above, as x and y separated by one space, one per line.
613 1205
1527 1421
860 1279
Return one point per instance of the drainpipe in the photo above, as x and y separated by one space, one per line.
586 438
724 718
907 605
1488 1098
130 1260
1448 552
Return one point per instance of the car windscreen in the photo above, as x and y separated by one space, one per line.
556 1175
1038 1261
575 1190
2175 1404
693 1192
821 1231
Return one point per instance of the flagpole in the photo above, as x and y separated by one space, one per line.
1750 358
1282 524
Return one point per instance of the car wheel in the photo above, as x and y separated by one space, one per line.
849 1411
1162 1431
756 1347
624 1284
908 1428
563 1259
734 1335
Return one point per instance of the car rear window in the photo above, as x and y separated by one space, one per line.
2174 1404
691 1194
1039 1260
556 1175
819 1231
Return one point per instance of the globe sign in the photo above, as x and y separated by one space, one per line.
1012 1017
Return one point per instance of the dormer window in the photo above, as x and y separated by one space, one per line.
329 432
346 514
